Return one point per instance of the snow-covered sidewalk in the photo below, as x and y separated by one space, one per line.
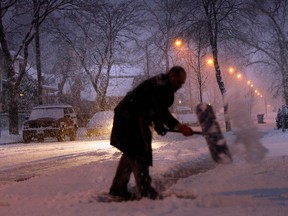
6 138
240 188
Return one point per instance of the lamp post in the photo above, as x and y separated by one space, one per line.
178 43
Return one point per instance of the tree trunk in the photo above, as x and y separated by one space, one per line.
39 68
285 87
12 99
38 53
13 112
212 24
221 86
147 62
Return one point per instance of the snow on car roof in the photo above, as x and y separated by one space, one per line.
47 106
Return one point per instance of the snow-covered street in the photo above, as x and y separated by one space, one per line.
21 161
180 164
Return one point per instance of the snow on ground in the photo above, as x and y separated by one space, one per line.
240 188
5 138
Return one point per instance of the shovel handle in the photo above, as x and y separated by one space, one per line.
177 131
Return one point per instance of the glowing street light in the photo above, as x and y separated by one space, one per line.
210 61
239 76
231 70
178 43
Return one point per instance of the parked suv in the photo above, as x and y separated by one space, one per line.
50 121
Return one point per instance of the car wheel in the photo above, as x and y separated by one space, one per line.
73 135
41 139
61 137
89 134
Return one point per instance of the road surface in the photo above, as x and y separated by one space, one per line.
19 162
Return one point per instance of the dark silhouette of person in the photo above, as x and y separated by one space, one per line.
145 107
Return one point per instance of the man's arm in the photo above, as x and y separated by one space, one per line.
174 124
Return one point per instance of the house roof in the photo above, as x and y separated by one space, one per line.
117 87
30 70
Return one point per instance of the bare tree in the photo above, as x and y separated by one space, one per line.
26 37
13 122
217 12
36 6
265 32
103 31
167 20
197 63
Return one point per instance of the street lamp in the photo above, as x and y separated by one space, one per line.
210 61
231 70
183 50
178 43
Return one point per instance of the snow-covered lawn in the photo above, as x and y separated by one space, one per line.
240 188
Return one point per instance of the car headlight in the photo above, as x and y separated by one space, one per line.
62 124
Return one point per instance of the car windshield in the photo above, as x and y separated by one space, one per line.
46 113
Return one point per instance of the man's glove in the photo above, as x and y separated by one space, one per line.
159 128
184 129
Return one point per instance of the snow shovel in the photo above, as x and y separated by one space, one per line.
211 131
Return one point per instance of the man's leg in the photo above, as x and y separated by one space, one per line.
121 179
143 180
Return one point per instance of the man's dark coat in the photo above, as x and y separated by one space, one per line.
146 104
